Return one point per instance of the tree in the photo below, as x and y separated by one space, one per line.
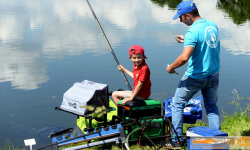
172 4
238 10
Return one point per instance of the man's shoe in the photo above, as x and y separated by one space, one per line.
176 144
173 145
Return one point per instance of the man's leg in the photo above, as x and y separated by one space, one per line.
210 98
185 91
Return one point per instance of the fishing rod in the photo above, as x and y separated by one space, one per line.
117 62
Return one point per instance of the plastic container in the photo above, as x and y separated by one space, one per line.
215 139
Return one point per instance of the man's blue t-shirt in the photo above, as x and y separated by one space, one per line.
205 59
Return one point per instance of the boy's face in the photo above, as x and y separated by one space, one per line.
137 59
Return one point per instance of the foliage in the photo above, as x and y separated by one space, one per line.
172 4
237 103
238 10
97 111
237 124
9 146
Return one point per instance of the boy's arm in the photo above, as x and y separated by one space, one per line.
136 91
120 67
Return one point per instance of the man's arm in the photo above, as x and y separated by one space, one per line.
181 60
136 91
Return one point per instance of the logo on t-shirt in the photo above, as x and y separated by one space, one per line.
136 76
212 38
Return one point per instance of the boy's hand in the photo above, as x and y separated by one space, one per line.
125 100
120 68
179 38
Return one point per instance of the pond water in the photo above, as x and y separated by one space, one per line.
48 45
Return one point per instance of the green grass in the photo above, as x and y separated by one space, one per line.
9 146
236 124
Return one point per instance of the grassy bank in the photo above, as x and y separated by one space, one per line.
235 124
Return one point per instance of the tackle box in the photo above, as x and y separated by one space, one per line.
139 109
206 138
154 128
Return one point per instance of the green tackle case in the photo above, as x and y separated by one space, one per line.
155 128
139 109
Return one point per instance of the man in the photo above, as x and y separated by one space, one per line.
201 50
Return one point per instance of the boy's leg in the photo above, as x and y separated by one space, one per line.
127 94
116 95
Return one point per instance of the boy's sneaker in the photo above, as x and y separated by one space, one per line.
173 145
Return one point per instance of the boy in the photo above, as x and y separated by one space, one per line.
140 74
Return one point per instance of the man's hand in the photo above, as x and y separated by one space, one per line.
170 69
125 100
120 68
179 38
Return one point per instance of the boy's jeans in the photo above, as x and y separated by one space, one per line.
185 91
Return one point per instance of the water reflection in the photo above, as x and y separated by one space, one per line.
172 4
238 10
30 30
39 41
233 38
23 72
53 29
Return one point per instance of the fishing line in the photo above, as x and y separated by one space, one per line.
117 62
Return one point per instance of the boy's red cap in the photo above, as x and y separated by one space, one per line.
138 50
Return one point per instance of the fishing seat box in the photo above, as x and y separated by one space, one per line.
199 143
139 109
143 110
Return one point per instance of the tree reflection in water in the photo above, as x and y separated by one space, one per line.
172 4
238 10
